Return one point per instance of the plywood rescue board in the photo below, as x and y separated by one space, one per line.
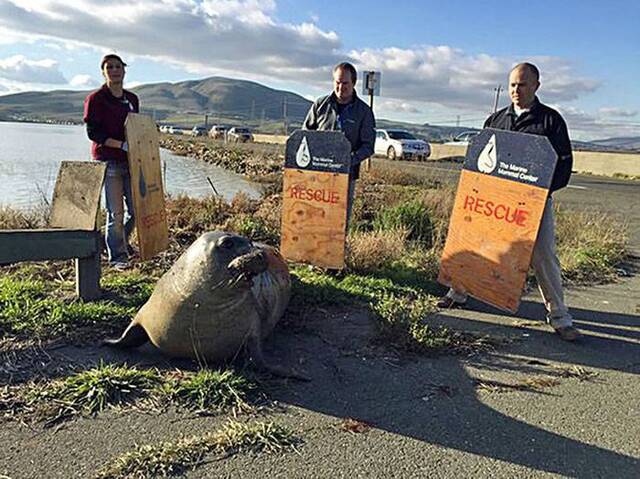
146 185
494 224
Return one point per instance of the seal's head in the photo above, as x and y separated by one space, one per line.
228 258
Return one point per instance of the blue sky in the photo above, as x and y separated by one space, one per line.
439 60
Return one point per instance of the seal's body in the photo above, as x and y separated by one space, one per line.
223 293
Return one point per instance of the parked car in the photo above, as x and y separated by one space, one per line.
174 130
239 134
218 132
463 138
400 145
198 131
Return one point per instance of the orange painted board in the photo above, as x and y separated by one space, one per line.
492 231
146 185
314 217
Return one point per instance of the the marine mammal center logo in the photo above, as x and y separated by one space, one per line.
487 161
303 156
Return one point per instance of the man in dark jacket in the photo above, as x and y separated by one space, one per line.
342 110
526 114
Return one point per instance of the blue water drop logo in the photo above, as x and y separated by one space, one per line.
142 184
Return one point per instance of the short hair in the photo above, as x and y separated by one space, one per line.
111 56
529 66
350 68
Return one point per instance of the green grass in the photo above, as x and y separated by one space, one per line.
212 390
413 216
46 309
87 393
174 458
93 391
401 306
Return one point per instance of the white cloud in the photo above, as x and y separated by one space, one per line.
587 126
83 81
234 37
20 69
387 107
617 112
453 78
244 39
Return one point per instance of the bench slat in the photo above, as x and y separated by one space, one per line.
47 244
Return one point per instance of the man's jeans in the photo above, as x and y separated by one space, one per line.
117 185
547 271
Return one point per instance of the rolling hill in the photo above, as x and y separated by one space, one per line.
226 100
217 96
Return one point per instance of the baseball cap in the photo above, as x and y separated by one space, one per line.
111 56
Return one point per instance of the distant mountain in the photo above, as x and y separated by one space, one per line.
627 142
218 96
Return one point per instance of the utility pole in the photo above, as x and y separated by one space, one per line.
497 89
206 120
253 109
284 114
457 120
262 119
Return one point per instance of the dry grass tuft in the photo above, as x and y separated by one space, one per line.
371 250
590 245
174 458
577 372
536 384
15 219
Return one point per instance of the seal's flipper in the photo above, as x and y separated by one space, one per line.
133 336
254 345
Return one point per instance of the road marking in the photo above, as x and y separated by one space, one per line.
578 187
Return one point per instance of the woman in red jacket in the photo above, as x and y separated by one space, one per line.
105 112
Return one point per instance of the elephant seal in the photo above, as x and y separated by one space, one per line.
223 294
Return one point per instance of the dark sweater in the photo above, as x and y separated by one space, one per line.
104 115
544 121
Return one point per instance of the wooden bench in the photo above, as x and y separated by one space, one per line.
72 234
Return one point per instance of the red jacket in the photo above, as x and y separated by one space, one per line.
105 115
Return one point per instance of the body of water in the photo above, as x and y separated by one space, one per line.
30 156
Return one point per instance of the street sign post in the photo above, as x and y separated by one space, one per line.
314 204
371 87
503 188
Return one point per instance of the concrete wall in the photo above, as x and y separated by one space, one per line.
607 164
277 139
439 151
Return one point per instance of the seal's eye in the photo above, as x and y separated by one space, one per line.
226 243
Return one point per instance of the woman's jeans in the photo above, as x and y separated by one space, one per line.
117 186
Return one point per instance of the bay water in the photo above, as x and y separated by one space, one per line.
30 156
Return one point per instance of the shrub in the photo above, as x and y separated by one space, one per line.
413 217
